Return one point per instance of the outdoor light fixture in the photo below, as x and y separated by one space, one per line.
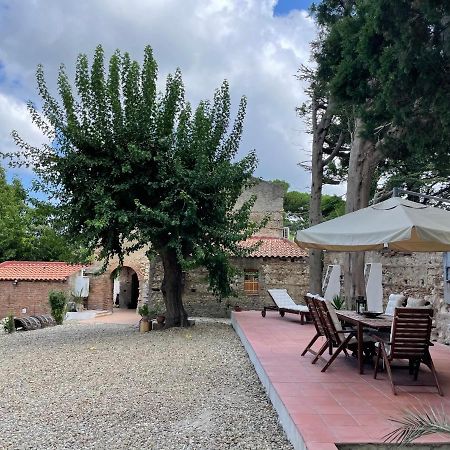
15 282
361 304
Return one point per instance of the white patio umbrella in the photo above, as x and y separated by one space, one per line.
396 223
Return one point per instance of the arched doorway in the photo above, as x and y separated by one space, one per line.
126 288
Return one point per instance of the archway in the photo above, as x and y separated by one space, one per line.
126 288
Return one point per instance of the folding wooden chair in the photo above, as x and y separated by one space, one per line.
337 337
320 331
410 339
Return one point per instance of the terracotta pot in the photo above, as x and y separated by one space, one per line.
144 325
160 319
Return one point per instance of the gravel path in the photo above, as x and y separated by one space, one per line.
94 386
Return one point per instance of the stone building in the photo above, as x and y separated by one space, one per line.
277 263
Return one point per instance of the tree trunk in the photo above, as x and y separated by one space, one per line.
364 158
315 214
172 288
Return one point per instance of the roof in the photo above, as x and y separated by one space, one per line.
274 247
37 270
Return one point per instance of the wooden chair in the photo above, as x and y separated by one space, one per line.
320 331
410 339
337 337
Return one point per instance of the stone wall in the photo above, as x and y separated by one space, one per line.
290 274
416 275
31 295
269 202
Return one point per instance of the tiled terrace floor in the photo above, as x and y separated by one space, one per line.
318 409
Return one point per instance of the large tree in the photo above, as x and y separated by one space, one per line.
388 60
29 230
329 153
132 167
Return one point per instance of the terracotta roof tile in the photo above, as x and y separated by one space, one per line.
274 247
37 270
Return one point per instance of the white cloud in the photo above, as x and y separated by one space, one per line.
208 39
14 116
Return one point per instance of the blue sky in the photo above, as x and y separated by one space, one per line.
284 7
257 45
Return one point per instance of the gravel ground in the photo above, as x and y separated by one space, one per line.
95 386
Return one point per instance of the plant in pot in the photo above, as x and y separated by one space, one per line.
77 298
144 324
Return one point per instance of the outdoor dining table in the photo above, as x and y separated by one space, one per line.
380 323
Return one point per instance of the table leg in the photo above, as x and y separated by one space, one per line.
360 348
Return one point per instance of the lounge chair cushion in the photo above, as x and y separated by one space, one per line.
284 301
415 302
395 301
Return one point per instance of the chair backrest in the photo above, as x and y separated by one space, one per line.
410 335
309 300
331 331
281 298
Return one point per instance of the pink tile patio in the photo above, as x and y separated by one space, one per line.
319 410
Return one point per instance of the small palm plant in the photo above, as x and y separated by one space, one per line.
338 302
416 423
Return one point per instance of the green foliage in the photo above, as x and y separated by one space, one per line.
416 423
77 297
281 183
338 302
296 207
29 229
388 61
144 311
58 302
8 324
132 167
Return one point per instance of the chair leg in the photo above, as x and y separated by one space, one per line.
319 353
377 362
429 362
336 353
388 367
314 339
416 369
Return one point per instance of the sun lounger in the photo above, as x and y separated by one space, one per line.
285 304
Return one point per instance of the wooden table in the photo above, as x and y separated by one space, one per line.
380 323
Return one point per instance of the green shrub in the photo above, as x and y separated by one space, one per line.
58 302
338 302
8 323
143 310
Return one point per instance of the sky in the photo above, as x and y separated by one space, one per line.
257 45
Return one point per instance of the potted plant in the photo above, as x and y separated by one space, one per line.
144 323
77 298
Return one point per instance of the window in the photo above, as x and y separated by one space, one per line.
251 283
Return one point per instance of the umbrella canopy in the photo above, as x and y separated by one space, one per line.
396 223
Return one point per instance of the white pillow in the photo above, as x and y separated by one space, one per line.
395 301
415 302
